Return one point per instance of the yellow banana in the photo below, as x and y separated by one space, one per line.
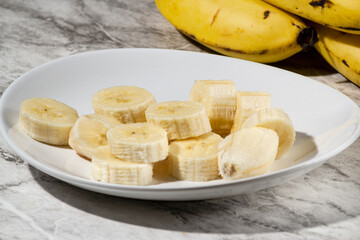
343 15
247 29
340 50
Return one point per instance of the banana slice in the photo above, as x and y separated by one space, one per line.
47 120
195 159
218 97
127 103
180 119
107 168
247 153
248 103
277 120
89 133
138 142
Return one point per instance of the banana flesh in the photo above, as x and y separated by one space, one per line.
342 15
277 120
107 168
180 119
249 29
218 97
138 142
89 133
341 51
127 103
47 120
247 153
195 159
248 103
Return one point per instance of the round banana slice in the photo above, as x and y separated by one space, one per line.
277 120
247 153
195 159
180 119
219 99
47 120
138 142
107 168
127 103
89 133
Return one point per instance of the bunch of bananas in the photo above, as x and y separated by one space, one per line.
268 31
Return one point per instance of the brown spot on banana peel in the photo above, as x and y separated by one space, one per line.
345 63
295 25
321 3
307 38
215 16
266 14
350 28
333 55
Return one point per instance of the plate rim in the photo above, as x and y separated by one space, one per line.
72 179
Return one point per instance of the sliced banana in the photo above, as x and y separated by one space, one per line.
248 103
127 103
107 168
47 120
195 159
89 133
138 142
180 119
247 153
218 97
277 120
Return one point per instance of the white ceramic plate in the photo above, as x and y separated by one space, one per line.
325 120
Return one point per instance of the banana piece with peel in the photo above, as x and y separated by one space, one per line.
247 153
195 159
47 120
107 168
180 119
341 51
127 103
342 15
138 142
218 97
249 29
277 120
248 103
89 133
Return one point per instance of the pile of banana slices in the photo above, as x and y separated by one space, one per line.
130 136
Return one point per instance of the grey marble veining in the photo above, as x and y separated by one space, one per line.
324 204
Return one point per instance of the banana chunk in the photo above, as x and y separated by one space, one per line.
47 120
138 142
247 153
277 120
89 133
248 103
127 103
180 119
195 159
218 97
107 168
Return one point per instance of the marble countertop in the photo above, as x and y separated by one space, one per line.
323 204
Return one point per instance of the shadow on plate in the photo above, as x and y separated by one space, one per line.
291 206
